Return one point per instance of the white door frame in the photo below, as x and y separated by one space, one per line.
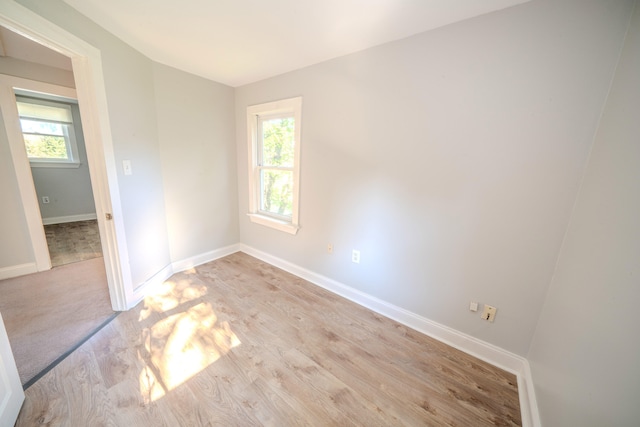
91 94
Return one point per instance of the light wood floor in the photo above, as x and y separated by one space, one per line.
237 342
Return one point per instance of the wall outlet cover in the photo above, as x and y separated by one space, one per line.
489 313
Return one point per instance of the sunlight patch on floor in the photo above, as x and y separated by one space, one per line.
169 295
183 344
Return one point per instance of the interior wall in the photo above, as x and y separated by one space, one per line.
132 114
69 189
196 126
450 159
585 356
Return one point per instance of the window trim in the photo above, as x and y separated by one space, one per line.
290 106
73 160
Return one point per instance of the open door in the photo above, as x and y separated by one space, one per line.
11 393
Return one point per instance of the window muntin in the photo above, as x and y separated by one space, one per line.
274 150
47 128
276 153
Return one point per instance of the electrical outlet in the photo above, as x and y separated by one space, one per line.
45 199
473 306
489 313
329 248
355 256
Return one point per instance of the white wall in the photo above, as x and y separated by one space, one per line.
450 159
585 356
131 100
69 189
198 152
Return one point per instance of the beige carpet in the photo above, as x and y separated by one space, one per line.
47 314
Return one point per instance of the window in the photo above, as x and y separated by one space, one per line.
47 127
274 156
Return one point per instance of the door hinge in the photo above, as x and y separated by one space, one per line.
108 216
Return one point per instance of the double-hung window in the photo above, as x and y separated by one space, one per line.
274 157
47 127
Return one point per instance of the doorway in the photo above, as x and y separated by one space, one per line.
91 94
42 322
56 150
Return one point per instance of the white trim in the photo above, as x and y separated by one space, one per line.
169 270
175 267
203 258
18 270
290 106
490 353
68 218
143 289
285 226
92 100
47 164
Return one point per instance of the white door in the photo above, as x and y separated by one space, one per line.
11 394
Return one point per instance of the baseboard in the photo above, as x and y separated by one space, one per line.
18 270
191 262
68 218
143 289
175 267
490 353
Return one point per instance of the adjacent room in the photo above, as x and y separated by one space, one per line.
331 213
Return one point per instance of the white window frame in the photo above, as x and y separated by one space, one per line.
291 107
68 129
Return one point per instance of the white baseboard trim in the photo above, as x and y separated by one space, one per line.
490 353
18 270
143 289
194 261
68 218
175 267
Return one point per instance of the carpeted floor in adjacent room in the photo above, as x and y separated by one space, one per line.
48 313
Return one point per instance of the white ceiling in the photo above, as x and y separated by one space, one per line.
241 41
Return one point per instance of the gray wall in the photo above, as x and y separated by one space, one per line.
585 356
450 159
69 189
132 114
198 153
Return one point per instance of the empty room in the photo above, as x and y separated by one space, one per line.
376 213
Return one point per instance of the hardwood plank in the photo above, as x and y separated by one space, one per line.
239 342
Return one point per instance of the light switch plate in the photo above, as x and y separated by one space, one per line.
126 167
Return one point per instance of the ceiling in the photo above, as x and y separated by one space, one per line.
236 42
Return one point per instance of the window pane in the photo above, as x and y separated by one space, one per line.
46 147
277 191
278 142
34 126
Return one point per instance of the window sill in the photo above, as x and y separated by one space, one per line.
67 165
287 227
